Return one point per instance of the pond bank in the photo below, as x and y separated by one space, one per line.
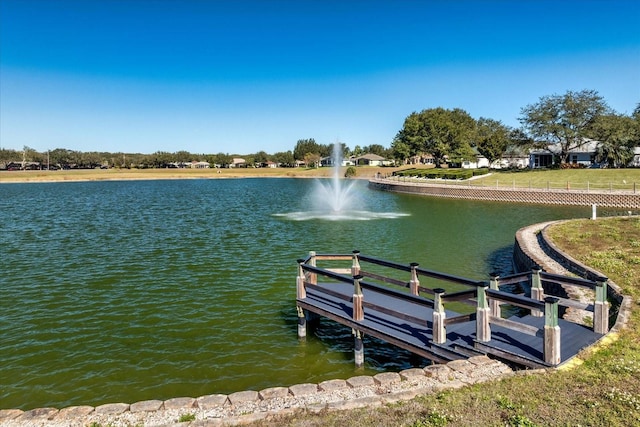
612 199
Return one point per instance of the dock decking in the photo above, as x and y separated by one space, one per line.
413 317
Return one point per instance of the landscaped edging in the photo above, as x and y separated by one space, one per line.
525 260
618 199
248 406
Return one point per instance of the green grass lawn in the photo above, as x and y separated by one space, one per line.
574 179
602 391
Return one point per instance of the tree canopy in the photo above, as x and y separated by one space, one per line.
617 134
440 132
492 139
566 121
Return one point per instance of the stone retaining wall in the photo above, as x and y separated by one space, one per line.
248 406
525 260
619 199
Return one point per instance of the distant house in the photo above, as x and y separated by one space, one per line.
422 159
584 155
371 160
269 164
636 158
15 166
238 163
328 162
513 157
200 165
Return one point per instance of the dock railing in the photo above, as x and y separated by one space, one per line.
485 296
542 284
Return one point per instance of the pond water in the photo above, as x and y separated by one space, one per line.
124 291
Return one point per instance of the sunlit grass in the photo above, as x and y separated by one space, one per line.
572 179
211 173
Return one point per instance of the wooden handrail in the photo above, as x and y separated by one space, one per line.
517 300
384 263
566 280
365 285
385 279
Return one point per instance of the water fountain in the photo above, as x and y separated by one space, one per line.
337 199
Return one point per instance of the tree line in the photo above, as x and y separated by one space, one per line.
557 123
565 122
306 150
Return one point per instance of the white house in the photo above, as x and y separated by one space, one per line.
328 161
371 160
585 155
238 163
200 165
636 158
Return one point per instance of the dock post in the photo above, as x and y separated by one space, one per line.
601 307
483 314
313 277
494 305
537 291
302 323
358 312
439 316
355 266
358 349
414 283
551 350
301 294
300 289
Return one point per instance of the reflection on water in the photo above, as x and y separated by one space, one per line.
127 291
342 215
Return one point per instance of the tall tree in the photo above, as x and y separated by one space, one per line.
375 149
439 132
564 121
285 158
617 135
492 139
400 150
306 146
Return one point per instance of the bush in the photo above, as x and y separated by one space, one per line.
350 172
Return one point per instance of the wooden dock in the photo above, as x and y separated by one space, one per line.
380 302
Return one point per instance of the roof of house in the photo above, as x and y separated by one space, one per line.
370 156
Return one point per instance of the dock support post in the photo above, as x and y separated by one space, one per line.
302 323
537 291
601 307
358 312
358 349
439 316
355 265
301 294
551 351
494 305
414 283
483 314
313 277
301 291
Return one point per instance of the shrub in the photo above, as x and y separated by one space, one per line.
350 172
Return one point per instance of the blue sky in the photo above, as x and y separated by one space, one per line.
243 76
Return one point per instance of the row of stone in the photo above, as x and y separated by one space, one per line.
618 199
271 400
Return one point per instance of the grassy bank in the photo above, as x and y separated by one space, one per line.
602 391
574 179
129 174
